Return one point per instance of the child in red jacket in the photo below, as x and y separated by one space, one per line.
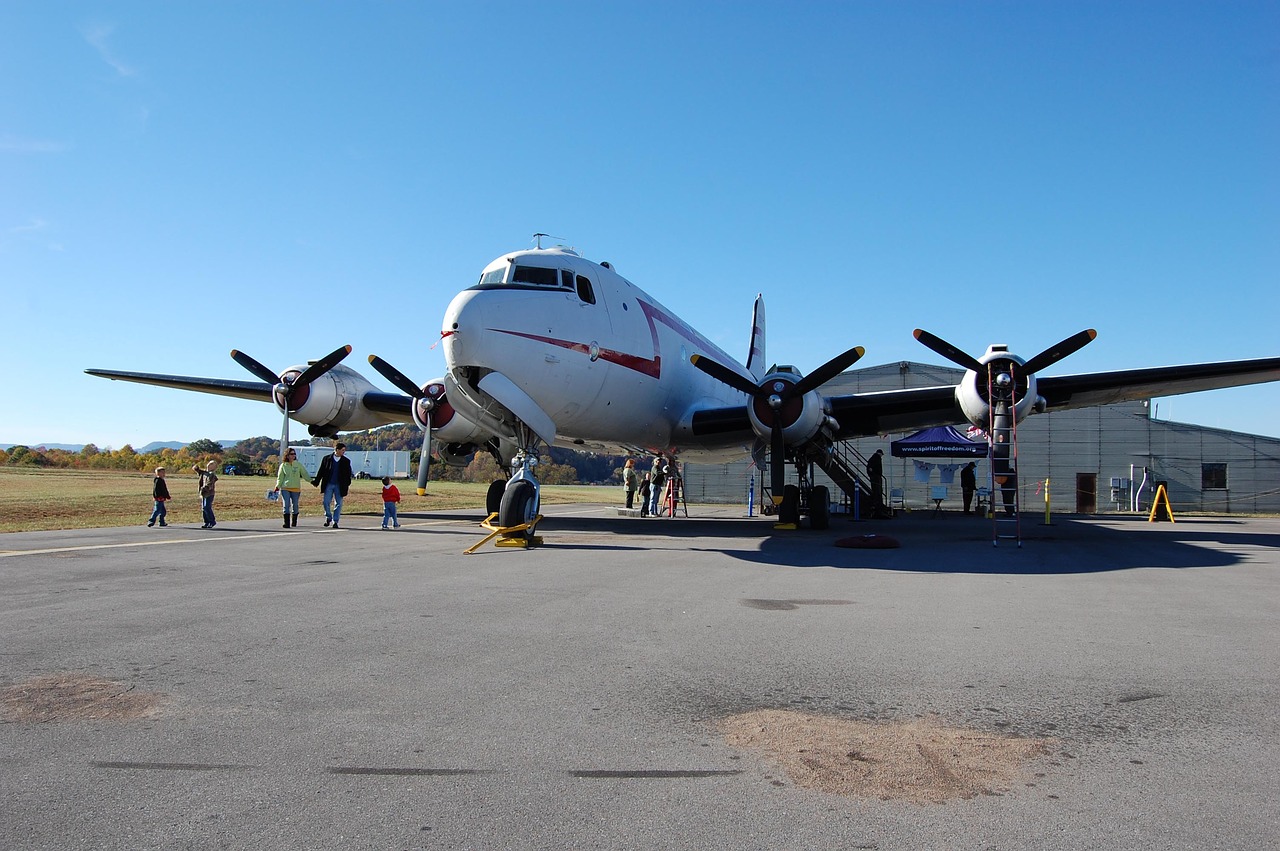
390 497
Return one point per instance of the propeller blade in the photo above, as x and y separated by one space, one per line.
777 460
826 372
257 368
396 377
319 368
1053 354
724 374
947 350
284 437
424 463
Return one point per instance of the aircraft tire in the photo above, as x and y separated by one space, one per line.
789 510
820 508
518 506
493 500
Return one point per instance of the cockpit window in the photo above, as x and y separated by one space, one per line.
493 276
566 279
585 292
536 275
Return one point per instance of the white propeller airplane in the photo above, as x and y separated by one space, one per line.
551 348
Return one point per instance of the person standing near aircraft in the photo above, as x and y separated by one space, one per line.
657 478
208 483
630 480
875 477
289 480
390 500
334 478
645 488
160 493
968 483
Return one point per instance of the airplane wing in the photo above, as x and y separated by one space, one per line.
258 391
888 411
397 406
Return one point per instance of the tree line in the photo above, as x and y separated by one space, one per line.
558 466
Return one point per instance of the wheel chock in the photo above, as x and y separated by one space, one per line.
510 535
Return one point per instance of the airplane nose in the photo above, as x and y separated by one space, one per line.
460 330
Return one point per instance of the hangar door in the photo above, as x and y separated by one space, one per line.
1086 493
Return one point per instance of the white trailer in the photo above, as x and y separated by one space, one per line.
372 464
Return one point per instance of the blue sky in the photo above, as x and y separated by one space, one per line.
181 179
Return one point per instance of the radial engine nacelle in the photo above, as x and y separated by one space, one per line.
801 416
1002 378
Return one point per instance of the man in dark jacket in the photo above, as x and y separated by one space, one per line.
334 478
875 478
968 484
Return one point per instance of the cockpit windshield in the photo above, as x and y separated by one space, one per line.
493 276
536 275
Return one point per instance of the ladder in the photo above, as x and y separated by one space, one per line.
1004 463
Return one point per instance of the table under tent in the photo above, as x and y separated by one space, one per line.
938 442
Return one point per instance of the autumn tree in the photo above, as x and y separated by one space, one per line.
203 446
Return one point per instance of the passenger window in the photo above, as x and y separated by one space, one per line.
585 292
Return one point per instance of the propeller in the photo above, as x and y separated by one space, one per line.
290 394
774 395
1048 357
425 404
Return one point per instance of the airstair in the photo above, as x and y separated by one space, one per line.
842 464
1005 525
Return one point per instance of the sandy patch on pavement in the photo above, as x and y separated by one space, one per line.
922 761
76 697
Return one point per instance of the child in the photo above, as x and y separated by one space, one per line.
390 496
160 493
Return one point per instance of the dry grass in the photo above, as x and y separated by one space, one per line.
33 499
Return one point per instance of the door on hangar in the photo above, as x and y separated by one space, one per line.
1086 493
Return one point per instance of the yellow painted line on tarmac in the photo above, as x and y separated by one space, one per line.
212 537
11 553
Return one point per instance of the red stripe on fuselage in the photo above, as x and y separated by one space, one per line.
651 367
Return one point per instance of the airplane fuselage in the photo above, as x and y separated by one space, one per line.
602 358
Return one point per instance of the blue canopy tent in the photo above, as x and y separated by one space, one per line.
942 441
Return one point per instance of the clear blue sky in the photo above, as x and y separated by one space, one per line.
181 179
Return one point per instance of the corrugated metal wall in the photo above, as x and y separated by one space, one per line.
1101 442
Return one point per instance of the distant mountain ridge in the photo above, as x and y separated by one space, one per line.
153 446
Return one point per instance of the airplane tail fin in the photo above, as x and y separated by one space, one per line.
755 352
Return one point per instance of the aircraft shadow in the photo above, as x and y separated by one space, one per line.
946 543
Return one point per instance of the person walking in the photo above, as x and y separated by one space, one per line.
289 479
390 502
334 478
968 483
630 480
160 493
208 485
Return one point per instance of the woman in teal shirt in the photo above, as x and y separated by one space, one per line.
289 480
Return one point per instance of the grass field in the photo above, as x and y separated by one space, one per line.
34 499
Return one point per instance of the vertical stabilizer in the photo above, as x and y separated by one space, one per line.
755 352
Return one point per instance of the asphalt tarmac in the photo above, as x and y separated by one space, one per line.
347 689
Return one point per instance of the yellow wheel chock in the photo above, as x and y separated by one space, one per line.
510 535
